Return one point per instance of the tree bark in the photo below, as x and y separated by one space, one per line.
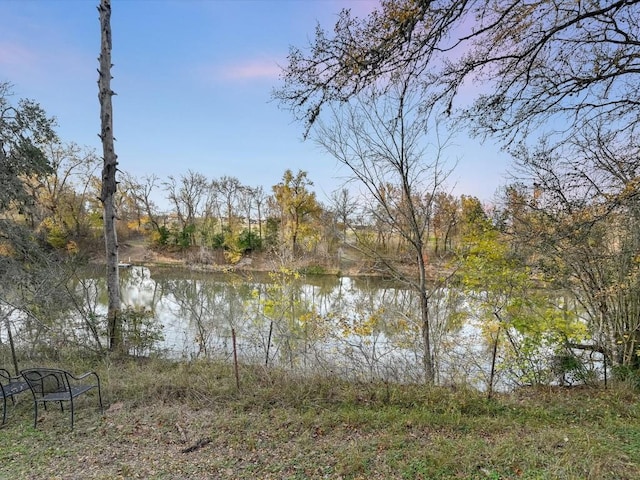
427 358
109 184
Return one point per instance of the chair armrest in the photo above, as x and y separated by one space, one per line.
85 375
5 374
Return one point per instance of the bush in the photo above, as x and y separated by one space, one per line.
249 241
161 236
217 240
313 270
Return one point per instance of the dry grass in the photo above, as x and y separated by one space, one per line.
187 420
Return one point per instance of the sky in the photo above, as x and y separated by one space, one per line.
194 82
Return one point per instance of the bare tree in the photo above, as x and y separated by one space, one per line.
245 203
259 197
187 195
344 206
130 209
109 184
61 195
141 193
445 220
381 137
211 214
518 71
229 189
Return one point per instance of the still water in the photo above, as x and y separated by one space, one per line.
359 328
364 329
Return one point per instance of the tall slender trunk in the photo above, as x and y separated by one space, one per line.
427 359
109 184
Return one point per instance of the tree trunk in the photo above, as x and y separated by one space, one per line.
427 359
109 184
12 345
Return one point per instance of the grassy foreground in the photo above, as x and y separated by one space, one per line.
188 420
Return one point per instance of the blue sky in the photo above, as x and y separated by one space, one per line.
193 80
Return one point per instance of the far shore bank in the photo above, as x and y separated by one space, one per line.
139 253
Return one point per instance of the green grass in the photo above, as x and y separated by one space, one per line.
282 427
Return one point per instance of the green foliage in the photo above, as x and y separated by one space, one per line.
56 236
627 374
24 129
26 263
236 245
272 230
570 369
181 237
184 237
218 240
313 270
163 235
512 303
249 241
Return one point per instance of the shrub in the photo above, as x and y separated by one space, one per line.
249 241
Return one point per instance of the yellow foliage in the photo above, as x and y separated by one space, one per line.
133 225
363 327
232 257
72 247
6 250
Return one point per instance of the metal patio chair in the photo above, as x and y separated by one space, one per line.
56 385
10 386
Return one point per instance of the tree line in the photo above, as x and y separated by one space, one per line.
56 196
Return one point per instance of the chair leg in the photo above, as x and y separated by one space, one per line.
4 410
71 402
35 413
100 401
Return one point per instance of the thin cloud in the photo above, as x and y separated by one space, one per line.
253 69
248 70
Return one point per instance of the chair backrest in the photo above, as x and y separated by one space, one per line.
46 380
5 376
5 379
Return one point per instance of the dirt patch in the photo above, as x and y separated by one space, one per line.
137 251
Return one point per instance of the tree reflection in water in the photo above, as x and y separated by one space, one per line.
360 328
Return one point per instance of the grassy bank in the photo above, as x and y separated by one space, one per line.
188 420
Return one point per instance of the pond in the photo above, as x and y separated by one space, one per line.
364 328
361 328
